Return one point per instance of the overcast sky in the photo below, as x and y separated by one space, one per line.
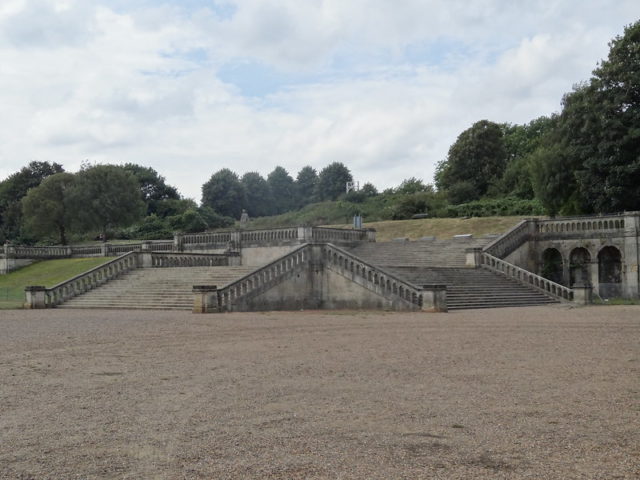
192 86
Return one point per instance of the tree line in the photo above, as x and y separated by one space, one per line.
585 159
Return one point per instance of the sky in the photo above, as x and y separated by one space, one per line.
192 86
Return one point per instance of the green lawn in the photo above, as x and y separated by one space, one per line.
47 273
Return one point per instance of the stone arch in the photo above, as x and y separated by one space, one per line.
579 266
552 265
609 272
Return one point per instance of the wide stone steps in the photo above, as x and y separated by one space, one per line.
418 253
475 287
156 288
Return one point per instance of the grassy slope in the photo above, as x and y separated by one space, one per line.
47 273
440 227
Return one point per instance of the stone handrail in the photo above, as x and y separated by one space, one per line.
20 251
602 224
263 277
275 234
370 276
527 278
90 279
178 259
324 234
221 238
510 241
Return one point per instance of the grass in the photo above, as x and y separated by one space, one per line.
47 273
440 227
616 301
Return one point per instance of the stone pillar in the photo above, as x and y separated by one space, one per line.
146 260
305 234
434 298
474 257
371 234
234 259
178 242
104 249
7 263
205 299
582 294
68 251
35 297
631 256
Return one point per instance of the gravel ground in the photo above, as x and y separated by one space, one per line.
548 392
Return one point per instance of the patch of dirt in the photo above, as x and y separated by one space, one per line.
527 393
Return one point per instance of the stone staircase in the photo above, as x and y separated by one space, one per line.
418 253
156 288
475 287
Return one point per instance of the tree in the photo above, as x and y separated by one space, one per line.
104 197
413 185
520 142
478 157
306 184
259 197
605 136
225 194
283 190
46 207
332 181
153 188
14 188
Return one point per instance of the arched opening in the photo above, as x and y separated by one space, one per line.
609 272
552 265
579 266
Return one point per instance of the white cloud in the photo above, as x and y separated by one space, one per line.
81 80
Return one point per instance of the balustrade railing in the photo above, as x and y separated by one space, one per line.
262 278
90 279
527 278
222 238
265 236
581 225
510 241
160 259
371 277
323 234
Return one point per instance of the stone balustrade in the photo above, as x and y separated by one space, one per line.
262 278
604 224
86 281
527 278
178 259
371 277
269 236
510 241
322 234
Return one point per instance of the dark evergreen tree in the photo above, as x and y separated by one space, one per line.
259 197
332 181
283 190
153 187
477 160
225 194
306 185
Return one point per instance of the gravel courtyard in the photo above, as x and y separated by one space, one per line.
549 392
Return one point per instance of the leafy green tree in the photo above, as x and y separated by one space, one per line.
153 187
105 197
520 142
332 181
283 190
369 190
225 194
413 185
306 184
14 188
46 207
478 157
259 197
605 135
